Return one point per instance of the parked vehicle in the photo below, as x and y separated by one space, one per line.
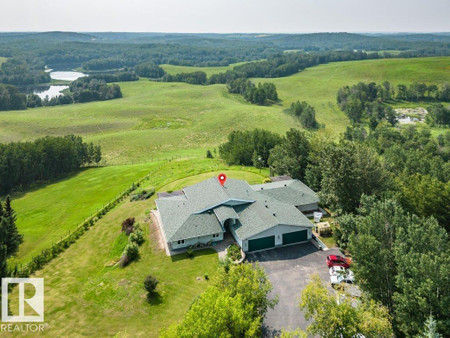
340 270
334 260
342 278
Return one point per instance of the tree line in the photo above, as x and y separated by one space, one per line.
369 100
24 163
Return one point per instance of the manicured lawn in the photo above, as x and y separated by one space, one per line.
156 120
86 295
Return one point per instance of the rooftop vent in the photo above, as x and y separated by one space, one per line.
274 214
262 188
285 185
267 206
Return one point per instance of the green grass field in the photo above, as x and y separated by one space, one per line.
2 59
171 69
48 212
157 120
106 299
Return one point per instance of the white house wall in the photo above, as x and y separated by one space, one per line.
193 241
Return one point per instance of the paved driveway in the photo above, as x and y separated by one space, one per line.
289 269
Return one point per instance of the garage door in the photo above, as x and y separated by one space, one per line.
261 243
295 237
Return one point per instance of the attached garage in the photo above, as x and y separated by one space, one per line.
295 237
261 243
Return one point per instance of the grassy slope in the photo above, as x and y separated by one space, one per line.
48 212
159 120
319 85
107 300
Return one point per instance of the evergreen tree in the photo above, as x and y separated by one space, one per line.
9 235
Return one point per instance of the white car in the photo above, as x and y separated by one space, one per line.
339 274
340 270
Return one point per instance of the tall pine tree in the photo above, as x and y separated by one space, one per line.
10 239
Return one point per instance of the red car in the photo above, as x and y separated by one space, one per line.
333 260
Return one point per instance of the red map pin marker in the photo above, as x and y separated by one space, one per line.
222 178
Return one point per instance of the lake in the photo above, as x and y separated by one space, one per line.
50 91
66 75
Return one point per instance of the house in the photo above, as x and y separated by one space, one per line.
259 216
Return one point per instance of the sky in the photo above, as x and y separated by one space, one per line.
226 16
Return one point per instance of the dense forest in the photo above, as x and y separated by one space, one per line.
23 71
24 163
390 179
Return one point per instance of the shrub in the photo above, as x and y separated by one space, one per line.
143 195
127 225
137 237
190 252
206 276
267 180
234 252
209 154
150 283
130 253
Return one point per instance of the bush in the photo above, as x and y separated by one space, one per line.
143 195
127 225
234 252
267 180
190 252
206 276
150 283
137 237
209 154
130 253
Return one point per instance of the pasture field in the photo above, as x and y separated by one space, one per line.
156 120
2 59
172 69
106 298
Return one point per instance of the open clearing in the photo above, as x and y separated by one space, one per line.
104 298
156 120
171 69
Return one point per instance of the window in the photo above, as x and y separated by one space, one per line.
181 242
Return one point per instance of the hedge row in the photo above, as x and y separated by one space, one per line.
46 255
